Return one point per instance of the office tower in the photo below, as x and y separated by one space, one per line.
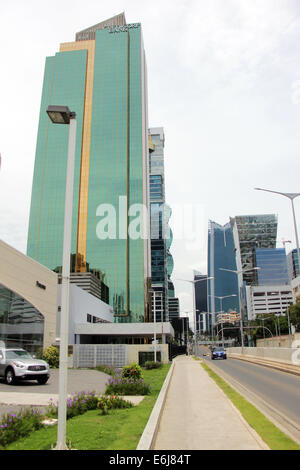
293 264
221 254
202 316
102 77
159 276
251 232
272 264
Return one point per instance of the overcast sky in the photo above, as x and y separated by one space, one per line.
224 82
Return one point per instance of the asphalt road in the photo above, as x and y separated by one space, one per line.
280 390
78 380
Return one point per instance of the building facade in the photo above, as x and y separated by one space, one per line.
251 232
262 300
221 254
28 301
293 264
272 264
102 77
202 317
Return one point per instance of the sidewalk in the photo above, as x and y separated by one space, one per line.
197 415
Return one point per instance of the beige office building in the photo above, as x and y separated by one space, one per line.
28 301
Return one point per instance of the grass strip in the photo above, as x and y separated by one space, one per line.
270 434
121 429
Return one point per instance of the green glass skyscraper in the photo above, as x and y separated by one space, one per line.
102 77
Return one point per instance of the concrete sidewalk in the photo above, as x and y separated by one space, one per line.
197 415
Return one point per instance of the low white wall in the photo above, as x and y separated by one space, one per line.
285 355
134 350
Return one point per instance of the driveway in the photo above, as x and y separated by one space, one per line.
29 393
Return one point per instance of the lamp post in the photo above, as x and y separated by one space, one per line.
194 297
62 115
154 318
221 304
241 271
291 197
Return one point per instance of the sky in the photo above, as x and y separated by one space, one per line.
223 82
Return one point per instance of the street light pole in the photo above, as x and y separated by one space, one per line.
291 197
62 115
194 300
221 305
241 314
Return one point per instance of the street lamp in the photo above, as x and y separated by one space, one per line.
221 305
62 115
241 271
154 315
291 197
194 297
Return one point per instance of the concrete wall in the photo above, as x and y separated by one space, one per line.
134 350
20 274
285 355
276 341
118 355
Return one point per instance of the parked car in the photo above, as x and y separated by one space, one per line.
218 353
18 364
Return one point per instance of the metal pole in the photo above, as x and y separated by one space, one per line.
154 311
194 311
222 322
65 291
296 235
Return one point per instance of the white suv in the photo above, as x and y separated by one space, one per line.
18 364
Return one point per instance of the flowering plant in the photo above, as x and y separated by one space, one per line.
127 386
20 424
133 371
77 404
107 403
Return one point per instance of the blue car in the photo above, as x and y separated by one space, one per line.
218 353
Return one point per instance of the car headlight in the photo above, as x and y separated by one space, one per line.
18 364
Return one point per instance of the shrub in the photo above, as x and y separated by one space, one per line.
127 386
152 365
110 370
133 371
51 355
76 404
16 425
107 403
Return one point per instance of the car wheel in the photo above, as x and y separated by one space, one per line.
42 380
9 377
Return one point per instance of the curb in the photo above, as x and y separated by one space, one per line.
148 437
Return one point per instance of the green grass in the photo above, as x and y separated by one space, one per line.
119 430
270 434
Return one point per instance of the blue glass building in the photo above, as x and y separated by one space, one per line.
221 254
273 266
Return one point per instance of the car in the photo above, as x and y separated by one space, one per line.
18 364
218 353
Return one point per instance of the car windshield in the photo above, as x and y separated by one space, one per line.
16 353
218 349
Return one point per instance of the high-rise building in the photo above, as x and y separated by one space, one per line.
102 77
159 276
202 316
251 232
293 264
272 264
221 254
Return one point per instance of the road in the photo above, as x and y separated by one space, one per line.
274 392
78 380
